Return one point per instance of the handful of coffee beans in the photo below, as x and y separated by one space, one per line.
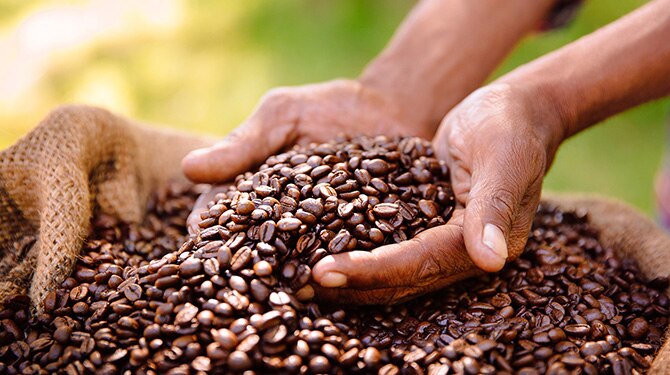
237 297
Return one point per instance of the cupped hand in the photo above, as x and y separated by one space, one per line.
498 144
300 115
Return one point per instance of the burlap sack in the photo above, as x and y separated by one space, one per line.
80 160
76 161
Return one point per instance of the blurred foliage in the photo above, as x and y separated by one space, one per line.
206 75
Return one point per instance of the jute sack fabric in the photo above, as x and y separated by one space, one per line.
79 160
82 160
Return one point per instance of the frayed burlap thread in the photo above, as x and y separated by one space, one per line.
78 160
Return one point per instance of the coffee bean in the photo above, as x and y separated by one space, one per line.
133 292
577 329
259 291
275 334
386 210
225 337
239 361
79 293
238 283
186 314
377 167
340 242
267 231
319 364
224 256
376 236
161 283
240 258
591 348
245 207
190 267
638 328
327 191
62 334
371 357
279 298
263 268
289 224
428 208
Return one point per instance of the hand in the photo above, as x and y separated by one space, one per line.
498 143
286 116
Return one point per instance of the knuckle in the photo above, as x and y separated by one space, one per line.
456 140
282 105
430 266
503 203
277 96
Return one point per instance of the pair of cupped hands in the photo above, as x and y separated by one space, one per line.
495 151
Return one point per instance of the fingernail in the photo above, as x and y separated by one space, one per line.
494 239
333 280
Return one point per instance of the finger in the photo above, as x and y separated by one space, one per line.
492 209
270 128
200 206
240 151
386 296
352 296
416 263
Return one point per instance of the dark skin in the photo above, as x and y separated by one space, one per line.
498 141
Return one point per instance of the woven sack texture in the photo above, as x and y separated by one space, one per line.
77 161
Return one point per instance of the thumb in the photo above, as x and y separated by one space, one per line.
244 148
498 212
269 129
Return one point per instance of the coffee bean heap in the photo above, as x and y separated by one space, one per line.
80 331
567 305
325 199
237 297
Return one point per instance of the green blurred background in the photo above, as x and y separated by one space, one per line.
202 65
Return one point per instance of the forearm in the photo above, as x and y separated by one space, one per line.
615 68
446 48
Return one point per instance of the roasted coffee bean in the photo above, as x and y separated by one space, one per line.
62 334
239 361
340 242
428 208
638 328
190 267
289 224
267 231
263 268
386 210
78 293
577 329
240 258
133 292
377 167
319 365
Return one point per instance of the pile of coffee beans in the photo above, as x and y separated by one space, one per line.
567 305
237 297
